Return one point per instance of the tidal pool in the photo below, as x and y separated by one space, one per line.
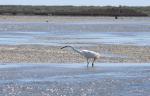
75 38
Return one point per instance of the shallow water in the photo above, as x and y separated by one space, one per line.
75 38
75 79
77 33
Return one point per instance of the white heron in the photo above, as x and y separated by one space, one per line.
87 54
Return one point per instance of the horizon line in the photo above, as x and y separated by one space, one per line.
76 5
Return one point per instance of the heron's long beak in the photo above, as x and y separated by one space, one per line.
63 47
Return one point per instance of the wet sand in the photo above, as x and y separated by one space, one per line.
75 80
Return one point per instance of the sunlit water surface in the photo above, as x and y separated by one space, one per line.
75 38
86 33
75 79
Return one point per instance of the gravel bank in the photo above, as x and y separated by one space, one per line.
52 54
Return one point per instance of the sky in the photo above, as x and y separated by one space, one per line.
77 2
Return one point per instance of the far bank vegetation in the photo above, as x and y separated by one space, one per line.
74 10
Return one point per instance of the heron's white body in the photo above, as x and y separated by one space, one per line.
90 54
87 54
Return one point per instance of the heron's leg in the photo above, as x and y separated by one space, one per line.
87 62
93 62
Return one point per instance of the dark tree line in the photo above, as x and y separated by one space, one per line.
72 10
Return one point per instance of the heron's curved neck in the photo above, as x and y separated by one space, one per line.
75 49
